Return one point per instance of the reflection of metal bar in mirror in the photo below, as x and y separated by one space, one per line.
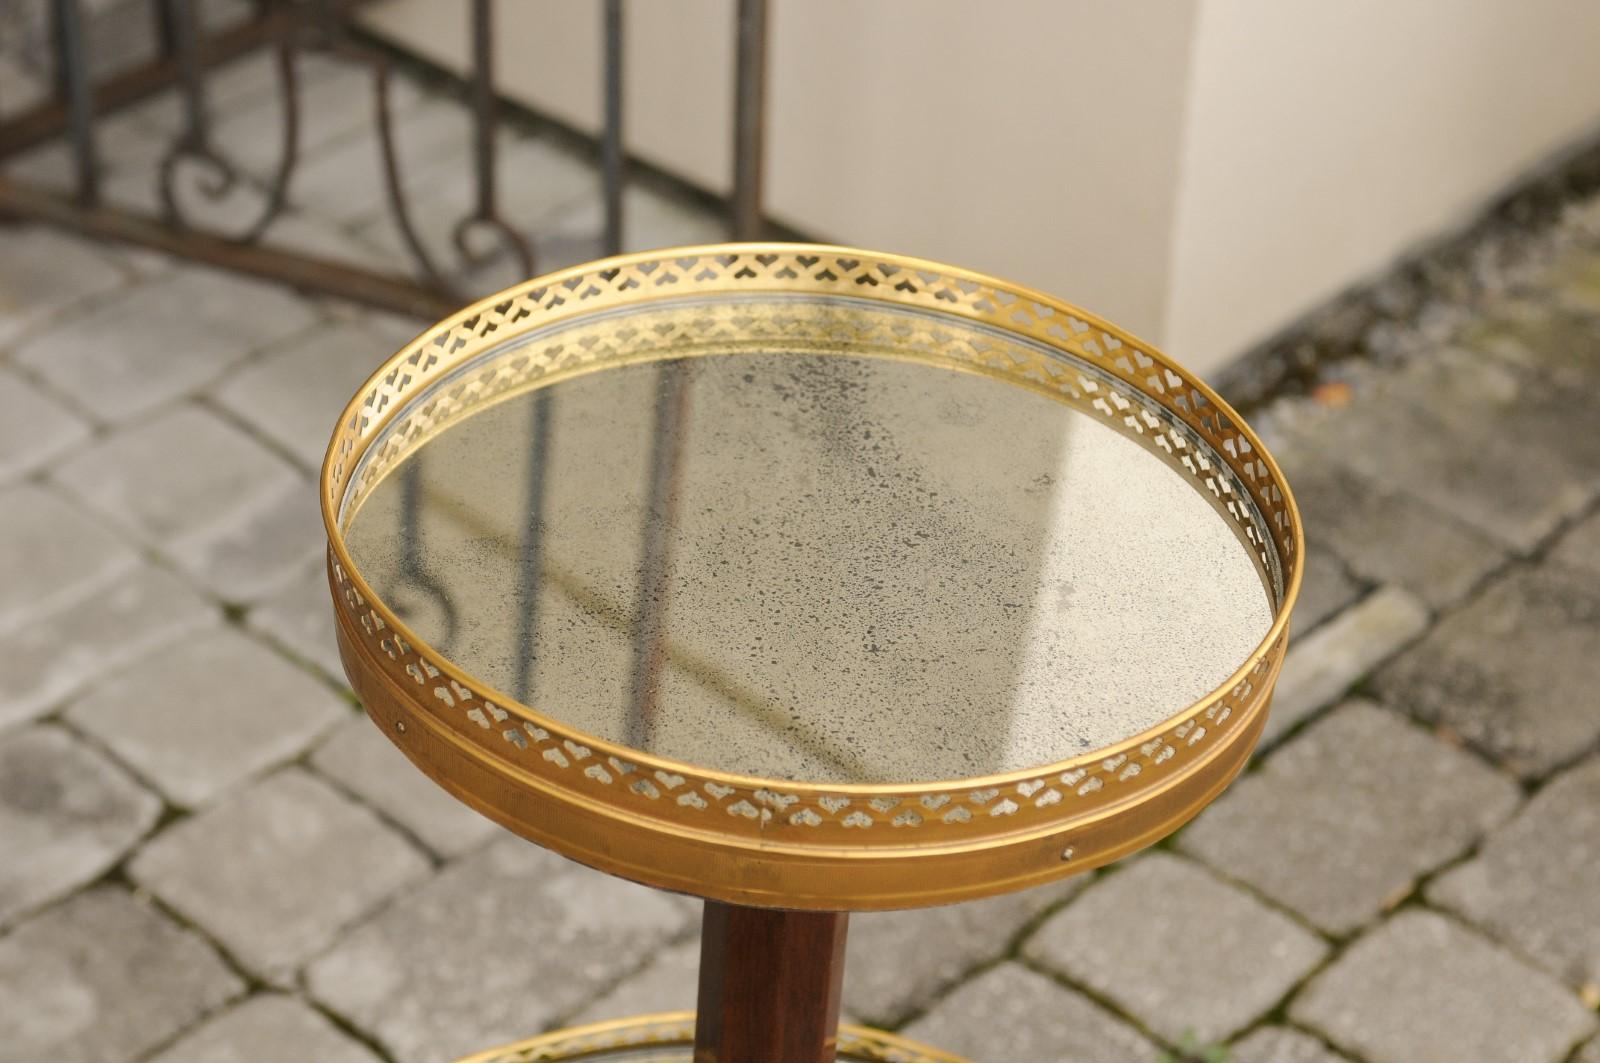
655 554
412 571
617 616
528 581
611 135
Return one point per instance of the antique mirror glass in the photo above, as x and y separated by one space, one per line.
825 564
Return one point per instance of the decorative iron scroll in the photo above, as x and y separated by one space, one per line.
194 164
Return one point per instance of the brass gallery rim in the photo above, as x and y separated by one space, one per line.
669 1038
767 842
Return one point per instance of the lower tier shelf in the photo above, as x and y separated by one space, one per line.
669 1038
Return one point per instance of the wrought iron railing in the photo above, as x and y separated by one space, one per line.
188 54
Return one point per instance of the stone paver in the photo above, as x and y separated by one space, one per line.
277 870
1327 590
43 274
1533 884
1421 989
176 479
267 1029
128 353
539 180
668 983
1494 446
51 554
33 426
1279 1044
66 815
650 219
1342 820
104 978
1576 289
466 961
549 194
360 759
1386 537
1324 665
1580 547
1514 672
300 616
882 988
58 653
294 393
197 718
244 81
263 549
335 103
1010 1014
1546 336
19 88
1182 952
339 181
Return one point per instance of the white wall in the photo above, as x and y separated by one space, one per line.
1034 139
1325 139
1200 171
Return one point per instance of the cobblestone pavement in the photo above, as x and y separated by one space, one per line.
207 855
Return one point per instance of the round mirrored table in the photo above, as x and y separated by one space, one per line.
805 580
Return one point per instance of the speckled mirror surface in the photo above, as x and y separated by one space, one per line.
829 567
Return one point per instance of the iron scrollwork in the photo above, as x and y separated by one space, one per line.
324 29
195 163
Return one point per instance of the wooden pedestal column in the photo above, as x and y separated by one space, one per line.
769 985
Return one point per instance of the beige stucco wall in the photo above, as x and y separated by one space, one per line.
1201 171
1031 138
1324 139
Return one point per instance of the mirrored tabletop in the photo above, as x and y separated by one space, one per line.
822 565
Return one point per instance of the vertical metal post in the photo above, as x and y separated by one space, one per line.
611 137
191 76
749 119
72 77
483 104
166 21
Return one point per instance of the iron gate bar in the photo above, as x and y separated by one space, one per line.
749 119
72 80
611 161
186 57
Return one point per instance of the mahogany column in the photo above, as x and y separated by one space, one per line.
769 985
